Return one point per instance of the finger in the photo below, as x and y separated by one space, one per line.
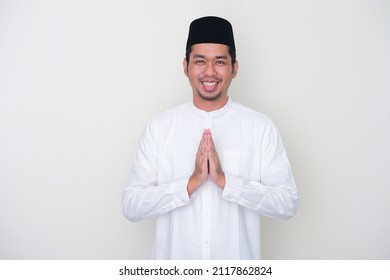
208 141
202 154
213 152
211 143
201 145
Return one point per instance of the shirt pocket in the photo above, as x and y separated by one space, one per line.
240 164
231 162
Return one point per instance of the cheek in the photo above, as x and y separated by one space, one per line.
193 75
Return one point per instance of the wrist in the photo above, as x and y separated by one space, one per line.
193 184
221 181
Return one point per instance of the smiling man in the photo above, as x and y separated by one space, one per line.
207 169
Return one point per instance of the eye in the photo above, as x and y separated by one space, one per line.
199 61
220 62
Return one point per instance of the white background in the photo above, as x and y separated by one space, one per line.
80 79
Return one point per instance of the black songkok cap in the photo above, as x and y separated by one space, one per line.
211 30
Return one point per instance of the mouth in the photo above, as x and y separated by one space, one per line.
210 85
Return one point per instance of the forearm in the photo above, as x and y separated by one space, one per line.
142 201
277 201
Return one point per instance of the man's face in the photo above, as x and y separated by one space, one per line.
210 71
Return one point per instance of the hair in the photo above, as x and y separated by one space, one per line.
232 53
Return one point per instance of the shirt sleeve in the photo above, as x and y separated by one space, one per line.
143 197
275 195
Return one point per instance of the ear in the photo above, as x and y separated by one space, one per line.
235 69
185 67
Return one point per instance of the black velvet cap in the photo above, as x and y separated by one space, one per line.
211 29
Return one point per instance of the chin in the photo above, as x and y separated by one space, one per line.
208 97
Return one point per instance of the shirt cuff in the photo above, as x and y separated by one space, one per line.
233 188
179 192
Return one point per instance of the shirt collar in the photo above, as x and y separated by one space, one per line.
214 114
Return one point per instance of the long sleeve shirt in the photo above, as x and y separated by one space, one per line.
212 223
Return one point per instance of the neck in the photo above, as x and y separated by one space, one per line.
210 105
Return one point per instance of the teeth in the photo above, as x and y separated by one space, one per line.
209 84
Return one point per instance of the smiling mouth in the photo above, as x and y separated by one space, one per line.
209 86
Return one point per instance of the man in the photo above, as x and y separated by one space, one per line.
209 168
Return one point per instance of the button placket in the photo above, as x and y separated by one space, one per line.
207 121
206 195
206 220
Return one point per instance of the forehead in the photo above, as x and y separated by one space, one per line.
210 49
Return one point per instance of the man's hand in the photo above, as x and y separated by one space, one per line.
217 176
207 164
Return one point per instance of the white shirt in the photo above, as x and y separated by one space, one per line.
212 223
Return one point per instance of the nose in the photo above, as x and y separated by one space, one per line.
210 70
